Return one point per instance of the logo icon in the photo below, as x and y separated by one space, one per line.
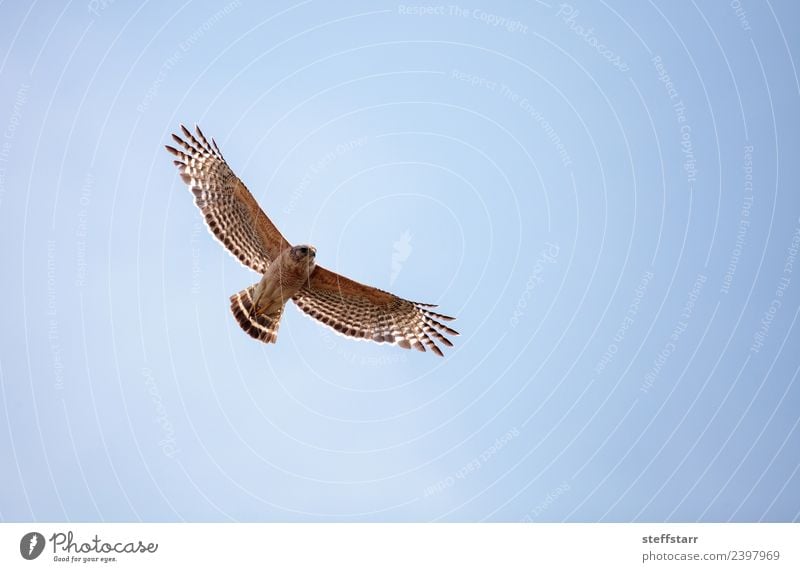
402 250
31 545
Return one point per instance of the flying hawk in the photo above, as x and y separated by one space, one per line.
291 272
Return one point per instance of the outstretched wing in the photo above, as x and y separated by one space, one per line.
231 212
360 311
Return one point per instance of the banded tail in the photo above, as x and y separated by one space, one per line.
263 327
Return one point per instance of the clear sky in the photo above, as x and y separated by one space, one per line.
604 193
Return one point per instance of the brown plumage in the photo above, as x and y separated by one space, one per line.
290 272
262 327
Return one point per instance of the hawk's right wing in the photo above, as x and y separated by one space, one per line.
231 212
359 311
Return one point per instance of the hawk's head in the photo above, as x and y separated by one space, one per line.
303 252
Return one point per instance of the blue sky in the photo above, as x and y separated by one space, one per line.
603 194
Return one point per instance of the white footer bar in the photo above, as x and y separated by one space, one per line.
400 547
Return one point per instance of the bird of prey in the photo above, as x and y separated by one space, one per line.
291 272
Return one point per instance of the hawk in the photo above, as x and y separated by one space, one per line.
290 272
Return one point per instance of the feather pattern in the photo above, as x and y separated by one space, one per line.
231 213
262 327
359 311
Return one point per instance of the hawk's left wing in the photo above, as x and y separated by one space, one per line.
231 212
360 311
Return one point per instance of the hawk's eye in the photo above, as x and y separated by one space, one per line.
303 250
